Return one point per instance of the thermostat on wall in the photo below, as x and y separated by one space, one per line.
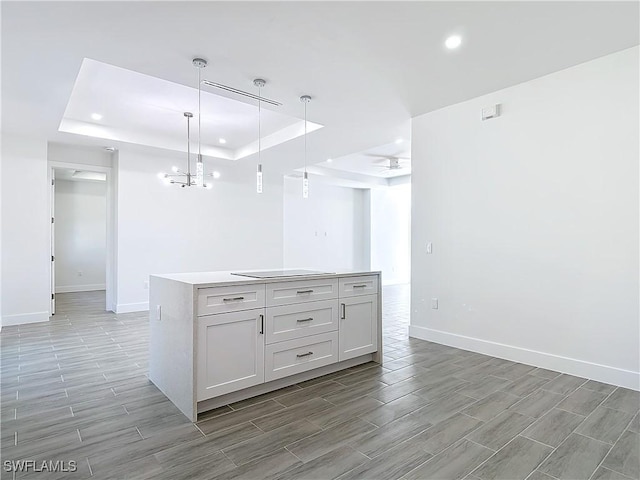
491 112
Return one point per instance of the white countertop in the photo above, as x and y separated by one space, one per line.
226 278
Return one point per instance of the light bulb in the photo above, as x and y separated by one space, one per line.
259 179
167 181
175 169
454 41
162 175
305 186
216 174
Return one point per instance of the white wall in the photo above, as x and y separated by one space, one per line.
81 235
25 230
168 229
534 219
326 231
391 233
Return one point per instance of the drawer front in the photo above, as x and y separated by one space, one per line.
286 293
355 286
295 356
287 322
230 299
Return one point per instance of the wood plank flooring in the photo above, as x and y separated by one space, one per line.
75 389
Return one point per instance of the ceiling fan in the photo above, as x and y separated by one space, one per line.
391 162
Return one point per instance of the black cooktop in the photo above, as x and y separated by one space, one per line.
280 273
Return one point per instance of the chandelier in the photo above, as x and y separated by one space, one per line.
188 179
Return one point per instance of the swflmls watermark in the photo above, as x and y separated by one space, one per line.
40 466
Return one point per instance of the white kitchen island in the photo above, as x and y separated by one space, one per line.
220 337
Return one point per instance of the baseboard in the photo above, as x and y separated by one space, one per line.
572 366
24 318
81 288
132 307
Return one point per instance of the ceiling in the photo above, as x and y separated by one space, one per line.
145 110
369 66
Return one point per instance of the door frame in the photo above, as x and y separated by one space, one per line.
111 256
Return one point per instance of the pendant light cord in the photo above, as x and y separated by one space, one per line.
259 125
199 114
305 137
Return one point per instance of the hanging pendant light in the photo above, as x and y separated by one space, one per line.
187 179
199 63
258 82
305 176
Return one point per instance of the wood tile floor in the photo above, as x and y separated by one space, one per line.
76 389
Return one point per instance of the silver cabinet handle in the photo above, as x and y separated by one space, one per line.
343 313
304 320
304 291
359 286
261 332
234 299
304 354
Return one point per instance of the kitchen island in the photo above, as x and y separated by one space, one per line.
221 337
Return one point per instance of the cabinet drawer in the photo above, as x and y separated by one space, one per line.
353 286
285 293
295 356
230 299
287 322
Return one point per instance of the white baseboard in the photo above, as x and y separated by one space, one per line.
81 288
24 318
132 307
572 366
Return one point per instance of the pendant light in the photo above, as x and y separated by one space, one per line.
258 82
187 179
199 63
305 177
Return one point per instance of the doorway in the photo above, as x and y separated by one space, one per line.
81 229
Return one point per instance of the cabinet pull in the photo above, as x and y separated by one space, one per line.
304 291
304 320
359 286
300 355
261 325
343 313
234 299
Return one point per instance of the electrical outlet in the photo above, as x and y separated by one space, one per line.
158 312
429 247
434 303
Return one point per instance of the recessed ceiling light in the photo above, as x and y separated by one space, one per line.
399 141
216 174
454 41
222 141
329 160
96 116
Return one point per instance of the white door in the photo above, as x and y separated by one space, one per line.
230 353
358 326
53 242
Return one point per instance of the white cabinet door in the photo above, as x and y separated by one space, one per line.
230 353
358 326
